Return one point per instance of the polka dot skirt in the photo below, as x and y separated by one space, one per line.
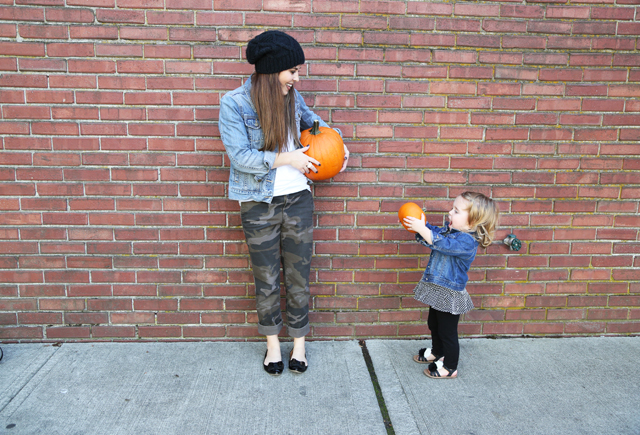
442 298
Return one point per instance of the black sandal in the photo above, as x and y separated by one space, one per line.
432 372
273 368
421 359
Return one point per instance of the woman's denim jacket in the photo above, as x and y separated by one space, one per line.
452 253
252 174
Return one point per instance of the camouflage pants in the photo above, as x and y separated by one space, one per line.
281 233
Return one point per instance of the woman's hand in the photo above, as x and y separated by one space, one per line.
298 159
346 158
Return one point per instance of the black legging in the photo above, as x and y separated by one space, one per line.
444 336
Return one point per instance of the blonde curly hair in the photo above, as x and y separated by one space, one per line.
483 216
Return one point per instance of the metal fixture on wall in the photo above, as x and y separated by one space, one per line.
512 242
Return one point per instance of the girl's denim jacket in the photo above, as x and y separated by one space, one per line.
452 253
252 174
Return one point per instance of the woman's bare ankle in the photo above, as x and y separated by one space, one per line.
299 352
273 350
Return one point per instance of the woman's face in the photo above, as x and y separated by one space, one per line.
288 77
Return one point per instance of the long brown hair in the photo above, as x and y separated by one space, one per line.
275 111
483 216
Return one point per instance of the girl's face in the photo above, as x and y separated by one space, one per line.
459 215
288 77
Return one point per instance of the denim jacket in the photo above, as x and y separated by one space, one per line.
252 174
452 253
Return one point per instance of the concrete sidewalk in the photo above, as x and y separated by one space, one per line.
515 386
531 386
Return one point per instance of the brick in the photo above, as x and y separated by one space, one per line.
21 332
594 134
458 25
23 80
559 104
441 56
577 59
8 319
475 10
545 59
628 29
375 330
584 328
519 11
333 37
120 16
22 48
498 89
622 327
93 32
617 13
597 104
411 23
568 42
562 75
613 43
502 328
421 8
548 26
172 52
141 33
70 15
43 32
363 22
433 40
571 12
506 26
543 328
594 28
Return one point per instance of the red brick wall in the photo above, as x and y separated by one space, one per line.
115 222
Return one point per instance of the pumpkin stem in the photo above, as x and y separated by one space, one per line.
315 130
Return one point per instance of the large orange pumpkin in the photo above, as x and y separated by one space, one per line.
409 209
326 146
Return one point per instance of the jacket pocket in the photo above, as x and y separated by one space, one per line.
254 130
239 181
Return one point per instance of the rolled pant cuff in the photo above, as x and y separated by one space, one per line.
270 330
300 332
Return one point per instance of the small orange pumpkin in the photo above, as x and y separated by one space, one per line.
326 146
409 209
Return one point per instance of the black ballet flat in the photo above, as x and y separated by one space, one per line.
273 368
297 366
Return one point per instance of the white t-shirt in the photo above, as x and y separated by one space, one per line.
288 179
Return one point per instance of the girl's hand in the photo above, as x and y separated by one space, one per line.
299 160
416 225
346 158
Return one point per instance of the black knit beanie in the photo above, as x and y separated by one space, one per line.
274 51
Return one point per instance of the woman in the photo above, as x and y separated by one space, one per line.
260 124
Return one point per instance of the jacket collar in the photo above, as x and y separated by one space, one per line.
246 87
448 230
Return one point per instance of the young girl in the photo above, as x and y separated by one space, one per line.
260 124
472 221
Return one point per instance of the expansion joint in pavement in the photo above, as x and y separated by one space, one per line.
376 387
